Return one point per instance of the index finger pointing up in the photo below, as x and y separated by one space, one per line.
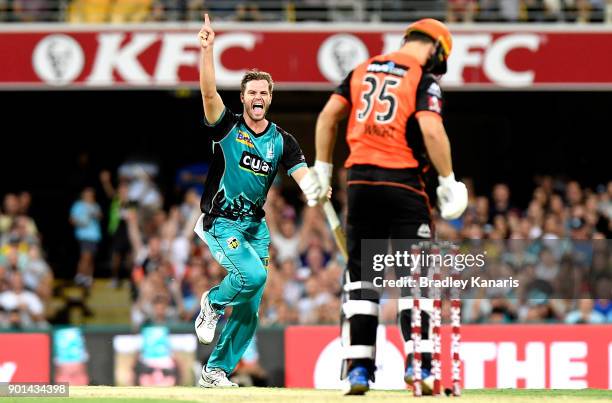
206 19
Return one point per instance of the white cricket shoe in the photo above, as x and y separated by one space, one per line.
215 378
206 322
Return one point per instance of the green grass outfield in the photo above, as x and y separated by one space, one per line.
99 394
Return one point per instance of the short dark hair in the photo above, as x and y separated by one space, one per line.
417 36
254 74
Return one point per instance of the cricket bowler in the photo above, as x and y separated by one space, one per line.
247 153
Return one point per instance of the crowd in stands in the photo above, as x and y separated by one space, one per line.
26 280
129 11
169 267
154 252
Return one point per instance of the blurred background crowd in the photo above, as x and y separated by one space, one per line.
129 11
126 230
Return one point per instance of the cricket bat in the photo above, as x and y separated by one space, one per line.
334 223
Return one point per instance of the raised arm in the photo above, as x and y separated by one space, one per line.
213 104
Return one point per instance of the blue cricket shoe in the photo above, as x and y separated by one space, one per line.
426 379
359 381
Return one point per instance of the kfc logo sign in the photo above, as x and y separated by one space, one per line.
120 56
339 54
481 50
301 57
58 59
116 56
487 53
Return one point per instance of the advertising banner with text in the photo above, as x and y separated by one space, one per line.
493 356
24 357
298 56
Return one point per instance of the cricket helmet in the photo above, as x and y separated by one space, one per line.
443 41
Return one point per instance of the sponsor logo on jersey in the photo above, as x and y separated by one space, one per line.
232 242
244 138
254 164
434 104
388 67
434 89
424 231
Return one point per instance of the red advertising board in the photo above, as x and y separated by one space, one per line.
24 357
493 356
298 56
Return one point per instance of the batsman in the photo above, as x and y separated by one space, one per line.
394 107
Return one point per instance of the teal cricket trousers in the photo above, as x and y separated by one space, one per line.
242 248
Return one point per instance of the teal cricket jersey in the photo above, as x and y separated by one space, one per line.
243 167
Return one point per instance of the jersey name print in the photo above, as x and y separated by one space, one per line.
386 93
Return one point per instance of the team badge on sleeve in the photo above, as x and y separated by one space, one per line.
434 104
233 243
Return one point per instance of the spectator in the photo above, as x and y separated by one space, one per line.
501 200
4 279
24 307
35 10
314 262
604 307
126 11
553 10
314 298
293 287
547 269
5 12
573 192
158 300
89 11
247 12
285 238
121 248
195 11
37 275
585 313
460 10
11 210
85 216
171 10
515 10
488 11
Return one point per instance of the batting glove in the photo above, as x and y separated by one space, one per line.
452 197
311 187
323 170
